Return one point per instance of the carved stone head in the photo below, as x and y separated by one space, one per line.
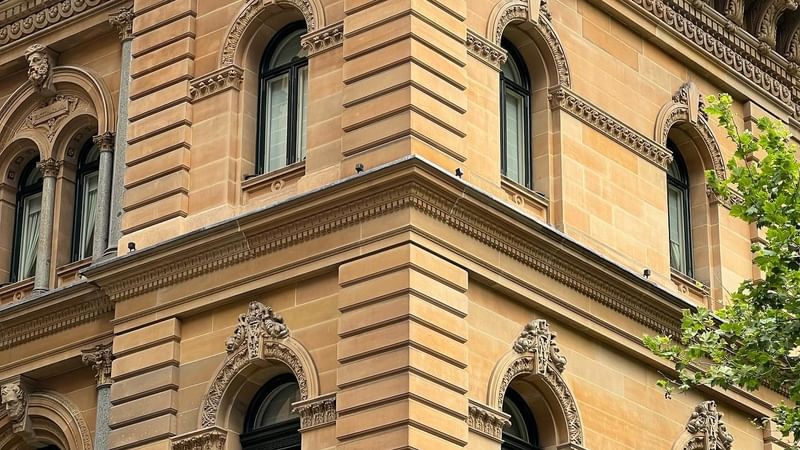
40 67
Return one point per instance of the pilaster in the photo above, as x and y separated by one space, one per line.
402 376
405 77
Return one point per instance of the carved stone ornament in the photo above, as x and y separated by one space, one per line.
323 39
49 167
258 324
485 51
40 68
537 339
487 421
27 18
221 80
212 438
99 359
105 141
51 114
581 109
122 21
15 402
316 412
765 21
707 429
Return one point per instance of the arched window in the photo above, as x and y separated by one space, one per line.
680 248
26 225
515 101
522 434
85 201
270 423
283 100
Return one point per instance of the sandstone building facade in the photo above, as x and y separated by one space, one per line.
371 224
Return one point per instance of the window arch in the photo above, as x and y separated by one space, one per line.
679 213
515 118
521 434
271 423
26 223
85 200
283 101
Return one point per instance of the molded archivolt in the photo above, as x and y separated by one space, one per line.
53 421
243 25
534 12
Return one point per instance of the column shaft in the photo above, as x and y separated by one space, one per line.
49 168
101 218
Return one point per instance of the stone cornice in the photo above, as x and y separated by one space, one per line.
410 183
583 110
44 14
323 39
229 77
58 310
485 51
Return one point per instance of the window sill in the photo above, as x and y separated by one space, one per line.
271 183
689 286
69 273
16 291
524 197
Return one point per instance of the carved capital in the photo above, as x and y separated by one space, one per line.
41 61
260 323
229 77
105 141
485 51
205 439
487 421
122 21
323 39
537 339
99 359
707 428
316 412
49 167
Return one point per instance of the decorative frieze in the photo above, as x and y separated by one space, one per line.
99 359
122 21
212 438
487 421
537 339
22 22
707 429
485 51
323 39
316 412
221 80
40 68
603 122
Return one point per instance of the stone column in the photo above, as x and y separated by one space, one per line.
104 178
49 168
99 358
123 22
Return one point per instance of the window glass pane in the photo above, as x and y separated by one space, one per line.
288 49
277 407
518 427
677 229
302 111
277 113
33 177
88 208
511 71
515 136
29 235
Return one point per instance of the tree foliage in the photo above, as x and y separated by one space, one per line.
755 340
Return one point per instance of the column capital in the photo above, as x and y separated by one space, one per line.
105 140
49 167
123 22
99 359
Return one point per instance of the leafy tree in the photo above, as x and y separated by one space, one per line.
755 340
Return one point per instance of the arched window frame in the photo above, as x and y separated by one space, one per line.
85 170
680 184
511 442
24 192
295 151
522 90
281 435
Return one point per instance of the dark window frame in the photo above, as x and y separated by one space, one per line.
266 74
683 187
525 92
279 436
22 193
83 170
511 442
